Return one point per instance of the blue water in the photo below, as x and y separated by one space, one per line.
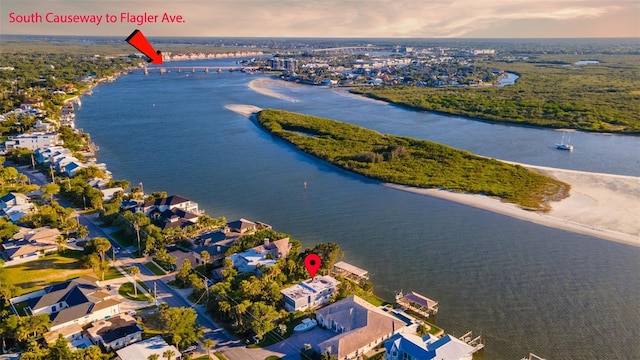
524 287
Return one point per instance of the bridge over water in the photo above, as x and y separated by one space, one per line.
193 69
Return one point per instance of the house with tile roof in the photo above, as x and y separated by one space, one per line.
264 255
409 346
359 327
76 301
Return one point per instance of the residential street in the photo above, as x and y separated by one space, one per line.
165 293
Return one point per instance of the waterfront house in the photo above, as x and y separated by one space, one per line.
359 327
174 218
409 346
72 168
216 244
77 301
242 226
169 203
310 293
33 141
262 255
115 332
108 194
43 156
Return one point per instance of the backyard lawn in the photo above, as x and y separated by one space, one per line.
52 268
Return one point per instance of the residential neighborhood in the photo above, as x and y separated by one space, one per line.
95 268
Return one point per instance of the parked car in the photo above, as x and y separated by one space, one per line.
190 349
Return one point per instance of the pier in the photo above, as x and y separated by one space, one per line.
417 303
194 69
350 272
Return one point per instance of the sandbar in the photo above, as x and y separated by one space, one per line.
242 109
605 206
262 86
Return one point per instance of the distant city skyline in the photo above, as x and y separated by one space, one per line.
342 18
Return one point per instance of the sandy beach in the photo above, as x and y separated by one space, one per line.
601 205
606 206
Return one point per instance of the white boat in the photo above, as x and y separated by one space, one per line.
307 324
564 145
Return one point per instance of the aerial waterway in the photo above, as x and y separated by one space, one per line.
524 287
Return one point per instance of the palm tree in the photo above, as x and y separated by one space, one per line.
49 190
101 245
153 357
134 271
168 354
60 241
208 344
205 259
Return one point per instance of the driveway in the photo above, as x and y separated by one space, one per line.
291 347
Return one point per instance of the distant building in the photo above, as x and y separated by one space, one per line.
310 293
484 52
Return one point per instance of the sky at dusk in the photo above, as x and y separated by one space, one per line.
339 18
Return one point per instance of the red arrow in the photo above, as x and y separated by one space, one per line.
138 41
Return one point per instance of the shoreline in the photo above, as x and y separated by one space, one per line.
593 207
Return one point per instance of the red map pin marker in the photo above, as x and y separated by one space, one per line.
312 262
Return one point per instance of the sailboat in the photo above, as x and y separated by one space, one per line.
564 145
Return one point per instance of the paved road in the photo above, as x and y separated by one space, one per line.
165 293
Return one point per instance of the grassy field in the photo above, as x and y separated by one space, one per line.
407 161
52 268
127 292
154 269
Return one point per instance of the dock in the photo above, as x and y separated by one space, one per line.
350 272
417 303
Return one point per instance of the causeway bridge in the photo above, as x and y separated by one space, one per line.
193 69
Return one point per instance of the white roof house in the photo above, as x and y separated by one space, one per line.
143 349
33 141
309 293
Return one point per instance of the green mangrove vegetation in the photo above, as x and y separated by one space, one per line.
413 162
552 91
